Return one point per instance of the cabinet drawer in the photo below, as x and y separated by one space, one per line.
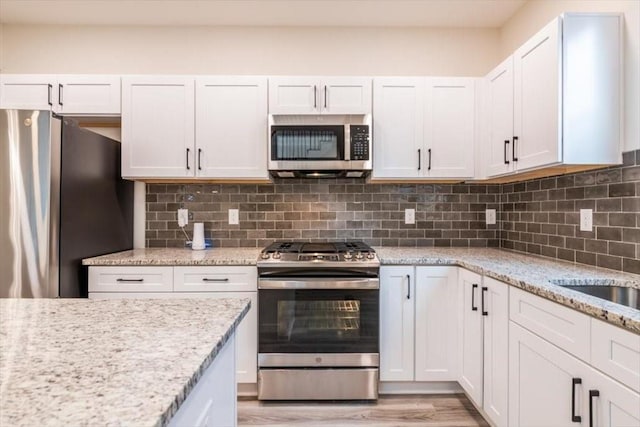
616 352
215 279
559 325
130 279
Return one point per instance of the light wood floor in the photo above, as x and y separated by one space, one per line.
433 410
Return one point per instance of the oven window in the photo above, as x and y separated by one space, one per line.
307 143
314 321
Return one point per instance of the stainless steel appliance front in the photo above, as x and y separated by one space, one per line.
318 322
320 146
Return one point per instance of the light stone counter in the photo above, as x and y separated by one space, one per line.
531 273
78 362
178 256
528 272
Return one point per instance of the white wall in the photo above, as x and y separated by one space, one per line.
535 14
248 50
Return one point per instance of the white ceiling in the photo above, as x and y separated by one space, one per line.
395 13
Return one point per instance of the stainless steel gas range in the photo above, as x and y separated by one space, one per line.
318 317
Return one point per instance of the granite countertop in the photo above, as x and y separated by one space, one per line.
178 256
531 273
106 362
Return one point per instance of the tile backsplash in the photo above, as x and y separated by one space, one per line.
540 216
336 209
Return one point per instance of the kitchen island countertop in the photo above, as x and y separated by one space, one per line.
107 362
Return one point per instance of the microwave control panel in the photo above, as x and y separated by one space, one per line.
359 142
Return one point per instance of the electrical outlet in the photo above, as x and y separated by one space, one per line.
183 217
409 216
234 217
586 219
490 216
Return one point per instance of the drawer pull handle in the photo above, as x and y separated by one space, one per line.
408 286
574 418
474 307
592 394
484 312
206 279
130 280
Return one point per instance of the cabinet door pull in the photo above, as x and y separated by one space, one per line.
484 312
419 159
513 155
592 394
199 159
429 165
473 297
315 96
325 97
60 94
408 286
188 167
49 89
129 280
506 148
206 279
574 418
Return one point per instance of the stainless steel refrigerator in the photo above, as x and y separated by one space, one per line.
61 200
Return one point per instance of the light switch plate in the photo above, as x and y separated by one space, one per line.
409 216
490 216
586 219
234 217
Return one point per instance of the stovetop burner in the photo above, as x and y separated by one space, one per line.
315 247
317 252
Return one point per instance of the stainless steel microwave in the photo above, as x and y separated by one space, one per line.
320 150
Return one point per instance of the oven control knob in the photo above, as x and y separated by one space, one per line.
265 255
371 255
348 255
276 255
359 255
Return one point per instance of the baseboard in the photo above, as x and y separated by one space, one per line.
412 387
247 389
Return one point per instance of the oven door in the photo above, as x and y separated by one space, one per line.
318 315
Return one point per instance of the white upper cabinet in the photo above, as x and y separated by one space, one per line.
567 95
449 127
346 95
317 95
423 127
89 94
398 123
231 127
498 151
63 94
27 91
536 92
158 127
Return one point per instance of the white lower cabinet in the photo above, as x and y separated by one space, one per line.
436 324
418 323
212 402
190 282
470 374
397 323
484 343
549 387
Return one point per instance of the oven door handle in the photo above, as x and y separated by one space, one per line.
318 283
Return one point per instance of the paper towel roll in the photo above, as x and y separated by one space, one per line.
198 236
